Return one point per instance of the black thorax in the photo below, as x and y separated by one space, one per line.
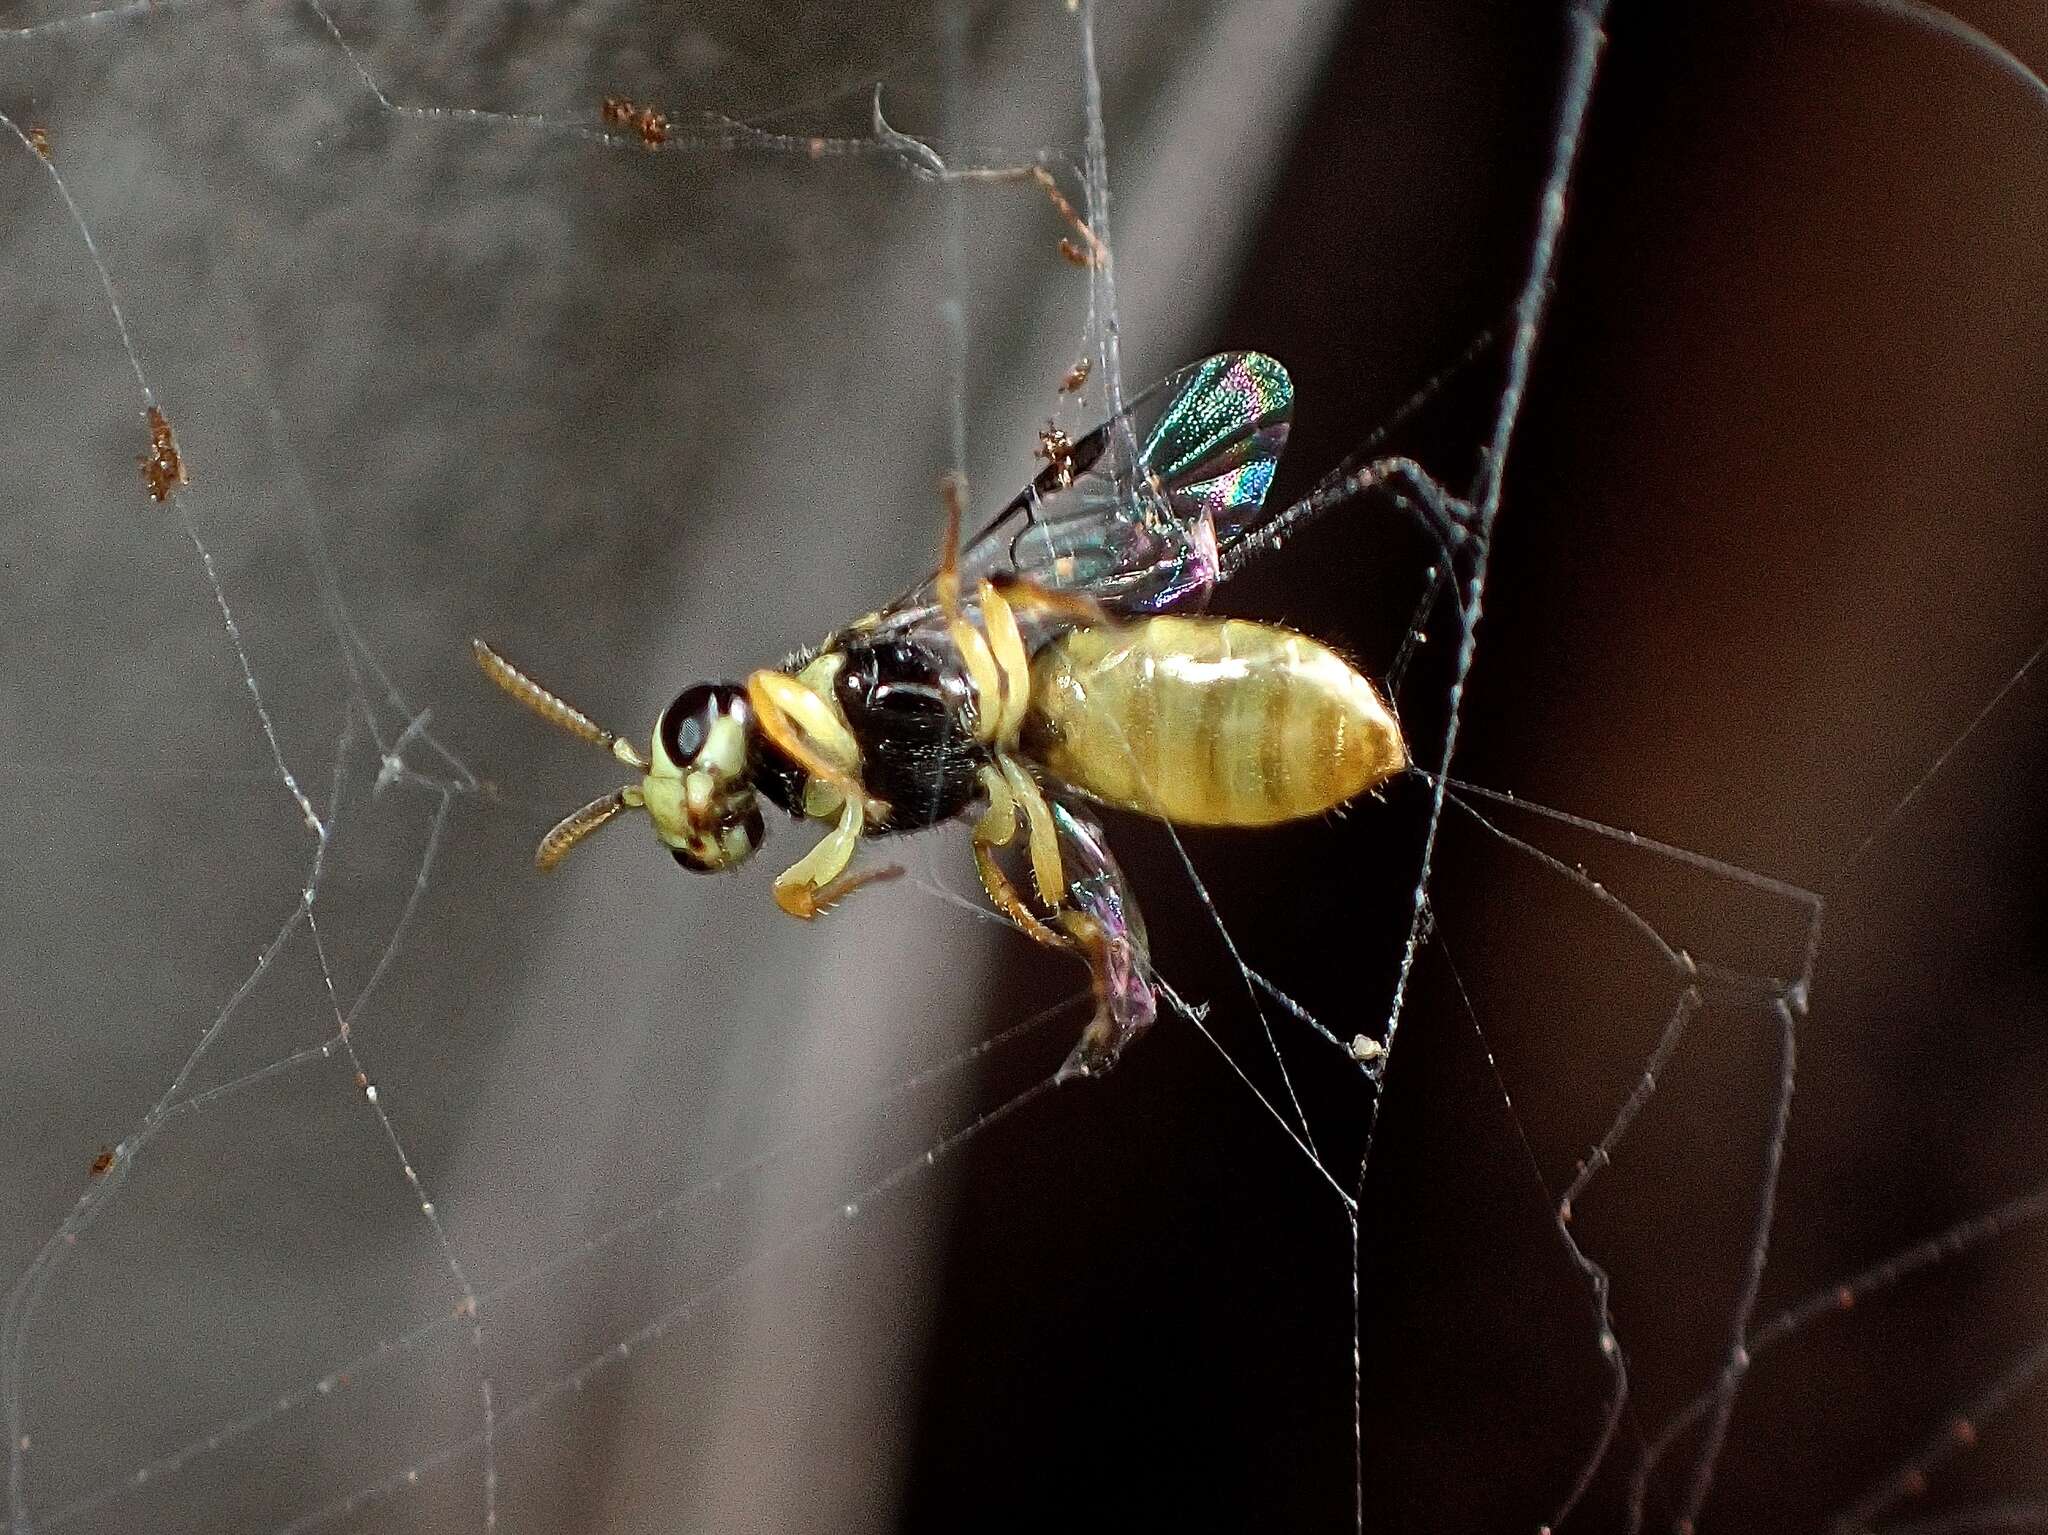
912 716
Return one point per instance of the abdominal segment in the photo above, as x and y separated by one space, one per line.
1208 721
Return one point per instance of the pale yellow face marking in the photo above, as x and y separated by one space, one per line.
697 792
696 806
663 793
725 753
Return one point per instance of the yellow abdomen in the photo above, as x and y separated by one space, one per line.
1208 721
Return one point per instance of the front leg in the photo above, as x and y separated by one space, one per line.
818 881
804 728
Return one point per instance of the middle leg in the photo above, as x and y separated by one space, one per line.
998 828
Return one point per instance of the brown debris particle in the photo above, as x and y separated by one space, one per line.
1057 449
39 140
162 469
101 1163
1076 376
650 125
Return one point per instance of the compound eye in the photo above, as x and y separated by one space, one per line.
686 723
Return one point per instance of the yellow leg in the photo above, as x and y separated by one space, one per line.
1047 871
998 825
806 730
1013 663
968 640
818 881
1004 897
827 896
1094 918
983 674
1034 601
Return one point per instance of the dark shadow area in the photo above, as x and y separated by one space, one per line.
1772 536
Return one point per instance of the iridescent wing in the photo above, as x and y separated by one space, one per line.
1134 514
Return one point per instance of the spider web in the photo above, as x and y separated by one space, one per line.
439 1196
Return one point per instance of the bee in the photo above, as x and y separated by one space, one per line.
1055 662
